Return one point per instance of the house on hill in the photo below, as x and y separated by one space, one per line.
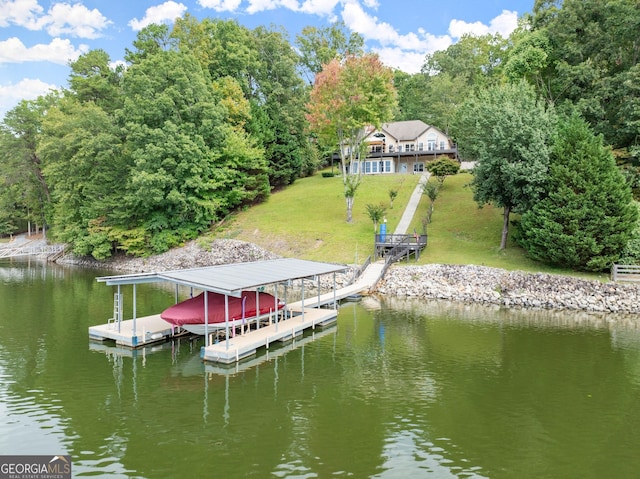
404 147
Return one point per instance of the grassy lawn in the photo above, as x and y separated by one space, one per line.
307 220
462 233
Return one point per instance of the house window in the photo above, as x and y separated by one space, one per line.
374 166
411 147
387 166
442 145
420 146
376 149
431 141
418 167
400 148
390 148
354 167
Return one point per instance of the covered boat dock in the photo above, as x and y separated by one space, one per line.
228 280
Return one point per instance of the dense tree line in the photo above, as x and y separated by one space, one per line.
535 112
210 116
202 120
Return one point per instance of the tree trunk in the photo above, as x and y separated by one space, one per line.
505 227
349 208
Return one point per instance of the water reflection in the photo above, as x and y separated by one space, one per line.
396 389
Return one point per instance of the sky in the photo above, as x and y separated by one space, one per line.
38 38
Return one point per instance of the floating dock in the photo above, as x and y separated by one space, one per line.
274 351
224 345
133 333
242 346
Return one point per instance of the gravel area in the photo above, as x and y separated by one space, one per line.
189 256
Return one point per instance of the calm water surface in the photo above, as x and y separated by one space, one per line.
395 390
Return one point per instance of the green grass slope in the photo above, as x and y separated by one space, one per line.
307 220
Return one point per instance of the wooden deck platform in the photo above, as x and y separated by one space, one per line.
274 351
243 346
148 330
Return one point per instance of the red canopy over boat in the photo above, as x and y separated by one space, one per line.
191 311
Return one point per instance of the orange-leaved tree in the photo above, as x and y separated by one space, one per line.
348 97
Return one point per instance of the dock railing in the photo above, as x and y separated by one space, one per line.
625 272
394 247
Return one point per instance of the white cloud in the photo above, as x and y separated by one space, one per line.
23 13
26 89
503 24
320 7
164 13
407 61
256 6
406 52
75 20
220 5
61 19
58 51
313 7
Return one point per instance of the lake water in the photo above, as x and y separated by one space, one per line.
396 389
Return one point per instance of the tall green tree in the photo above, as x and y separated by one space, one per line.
593 62
507 131
348 97
81 151
434 99
26 191
280 94
187 166
265 66
478 60
92 79
587 218
318 46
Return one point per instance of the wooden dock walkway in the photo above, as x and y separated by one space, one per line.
241 346
133 333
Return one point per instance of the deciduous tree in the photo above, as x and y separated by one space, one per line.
348 97
507 132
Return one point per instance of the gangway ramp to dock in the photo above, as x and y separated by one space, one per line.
363 284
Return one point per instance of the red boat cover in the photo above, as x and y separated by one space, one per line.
191 311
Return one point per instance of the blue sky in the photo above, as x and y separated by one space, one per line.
38 38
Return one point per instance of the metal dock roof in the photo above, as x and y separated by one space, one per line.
232 278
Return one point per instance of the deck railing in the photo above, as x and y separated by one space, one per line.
625 272
395 247
47 250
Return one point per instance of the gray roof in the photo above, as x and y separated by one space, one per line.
405 130
232 278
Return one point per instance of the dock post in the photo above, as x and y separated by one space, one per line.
120 309
134 312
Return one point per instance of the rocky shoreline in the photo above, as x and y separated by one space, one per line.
479 284
461 283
